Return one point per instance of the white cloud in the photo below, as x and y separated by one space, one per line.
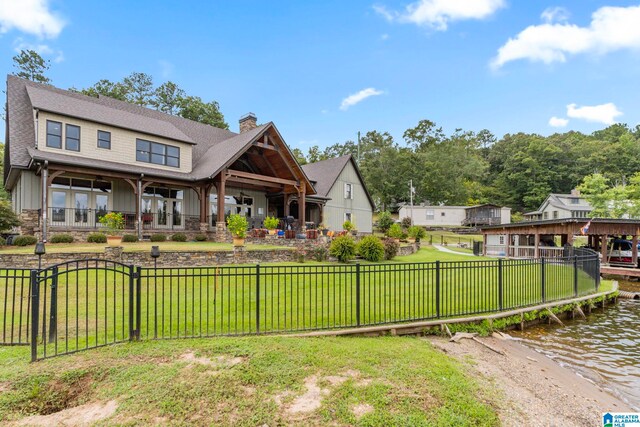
438 13
558 122
355 98
384 36
611 28
604 113
30 16
555 14
42 49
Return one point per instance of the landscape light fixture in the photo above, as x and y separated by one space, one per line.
40 250
155 253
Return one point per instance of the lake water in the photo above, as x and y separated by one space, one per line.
605 348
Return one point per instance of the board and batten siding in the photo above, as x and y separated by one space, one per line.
26 193
359 207
123 143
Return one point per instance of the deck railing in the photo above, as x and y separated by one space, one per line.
85 218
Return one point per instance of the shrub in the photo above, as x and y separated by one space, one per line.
113 221
8 218
395 231
319 253
201 237
237 225
300 254
97 238
271 223
406 222
348 226
417 232
343 248
158 237
371 249
391 248
179 237
62 238
129 238
2 241
24 240
384 221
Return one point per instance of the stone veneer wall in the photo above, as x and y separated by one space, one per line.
172 259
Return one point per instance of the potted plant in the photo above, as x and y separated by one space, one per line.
349 227
395 232
113 222
237 225
323 229
271 223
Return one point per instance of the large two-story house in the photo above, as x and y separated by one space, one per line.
71 158
559 206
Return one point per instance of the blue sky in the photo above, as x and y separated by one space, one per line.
324 70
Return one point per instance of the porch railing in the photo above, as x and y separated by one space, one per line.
525 251
80 218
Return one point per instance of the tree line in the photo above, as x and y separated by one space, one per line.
462 168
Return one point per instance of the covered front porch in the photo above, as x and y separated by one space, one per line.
262 180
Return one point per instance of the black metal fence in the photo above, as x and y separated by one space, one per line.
91 303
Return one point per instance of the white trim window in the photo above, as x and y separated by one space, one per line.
348 190
430 215
348 216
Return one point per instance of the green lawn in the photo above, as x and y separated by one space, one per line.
93 305
135 247
254 381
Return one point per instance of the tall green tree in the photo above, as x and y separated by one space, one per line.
168 98
139 88
194 108
3 193
104 87
30 65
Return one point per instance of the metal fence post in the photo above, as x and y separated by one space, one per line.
35 310
438 289
358 293
542 280
575 275
131 302
258 298
53 315
139 302
500 286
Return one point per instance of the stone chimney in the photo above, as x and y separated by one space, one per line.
248 122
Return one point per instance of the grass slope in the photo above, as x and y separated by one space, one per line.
254 381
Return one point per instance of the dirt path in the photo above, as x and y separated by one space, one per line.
538 391
449 251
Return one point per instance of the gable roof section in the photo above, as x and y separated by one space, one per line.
326 172
63 104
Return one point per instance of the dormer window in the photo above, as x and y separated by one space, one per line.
54 134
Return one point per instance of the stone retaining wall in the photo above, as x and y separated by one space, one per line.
178 259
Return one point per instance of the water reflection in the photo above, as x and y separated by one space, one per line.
605 348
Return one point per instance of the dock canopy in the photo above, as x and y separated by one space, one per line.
536 239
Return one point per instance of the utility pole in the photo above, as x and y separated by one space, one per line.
411 191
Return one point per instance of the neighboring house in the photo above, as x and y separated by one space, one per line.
559 206
471 216
71 158
339 180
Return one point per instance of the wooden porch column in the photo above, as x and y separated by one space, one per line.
536 244
302 209
286 205
484 244
221 192
634 250
507 243
603 247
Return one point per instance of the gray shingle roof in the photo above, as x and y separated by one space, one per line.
213 147
73 106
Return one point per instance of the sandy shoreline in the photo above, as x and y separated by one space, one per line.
537 391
